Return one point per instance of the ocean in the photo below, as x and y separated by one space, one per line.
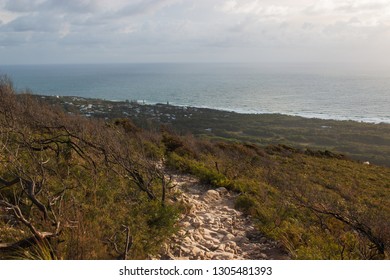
312 91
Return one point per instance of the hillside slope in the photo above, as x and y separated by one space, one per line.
73 187
360 141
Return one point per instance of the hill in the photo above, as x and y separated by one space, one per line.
76 187
360 141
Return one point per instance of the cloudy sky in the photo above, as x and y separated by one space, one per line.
87 31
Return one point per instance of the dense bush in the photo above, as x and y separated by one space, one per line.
319 204
85 189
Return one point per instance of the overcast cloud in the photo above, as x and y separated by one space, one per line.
85 31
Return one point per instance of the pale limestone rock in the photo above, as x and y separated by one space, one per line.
186 224
263 256
224 256
231 244
223 231
230 250
203 248
212 229
211 195
210 245
240 239
185 250
222 190
197 236
228 237
211 239
196 222
196 251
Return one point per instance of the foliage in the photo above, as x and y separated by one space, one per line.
78 188
357 140
318 204
85 189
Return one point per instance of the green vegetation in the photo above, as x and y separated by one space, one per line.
319 207
73 187
360 141
86 188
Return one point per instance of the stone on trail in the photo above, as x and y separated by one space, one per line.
222 190
211 195
228 237
212 229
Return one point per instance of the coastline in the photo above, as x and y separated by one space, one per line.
307 115
294 91
318 116
358 140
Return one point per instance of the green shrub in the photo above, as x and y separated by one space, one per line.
246 203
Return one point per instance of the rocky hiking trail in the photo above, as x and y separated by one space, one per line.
213 230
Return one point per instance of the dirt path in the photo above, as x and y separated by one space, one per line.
213 229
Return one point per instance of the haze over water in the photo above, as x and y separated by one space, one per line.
303 90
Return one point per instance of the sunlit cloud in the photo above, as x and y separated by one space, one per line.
218 30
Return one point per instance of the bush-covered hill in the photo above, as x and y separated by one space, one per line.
361 141
319 205
73 187
85 189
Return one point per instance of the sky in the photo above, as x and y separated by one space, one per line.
264 31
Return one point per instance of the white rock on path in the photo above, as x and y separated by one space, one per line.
213 229
211 195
